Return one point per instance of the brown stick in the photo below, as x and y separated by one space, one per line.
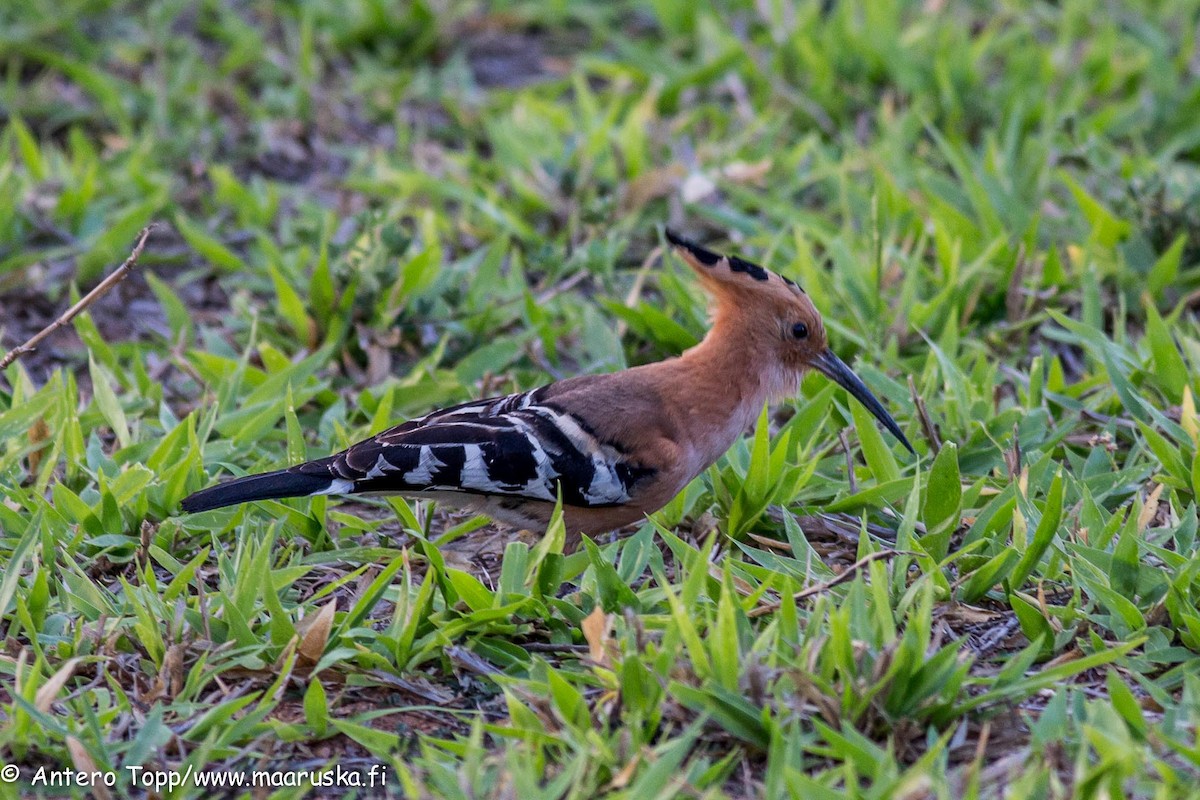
923 413
849 461
95 294
845 575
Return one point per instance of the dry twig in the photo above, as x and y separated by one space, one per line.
849 462
102 288
926 423
845 575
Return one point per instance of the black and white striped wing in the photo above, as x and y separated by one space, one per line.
509 446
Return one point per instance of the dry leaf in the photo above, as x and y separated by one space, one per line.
653 184
597 627
740 586
170 677
970 615
83 762
114 143
1074 654
1187 415
39 433
1150 509
747 172
49 690
773 544
312 645
378 345
625 775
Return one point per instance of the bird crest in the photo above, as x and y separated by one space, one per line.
719 271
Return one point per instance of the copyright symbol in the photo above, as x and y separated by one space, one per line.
9 773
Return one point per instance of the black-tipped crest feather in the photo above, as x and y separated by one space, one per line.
705 256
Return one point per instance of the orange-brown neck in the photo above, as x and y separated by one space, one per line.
721 384
741 352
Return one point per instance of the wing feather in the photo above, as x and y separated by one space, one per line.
514 446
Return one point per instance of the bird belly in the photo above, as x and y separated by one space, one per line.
534 515
519 512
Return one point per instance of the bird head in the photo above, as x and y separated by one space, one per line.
781 318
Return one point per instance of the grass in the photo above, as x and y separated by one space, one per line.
369 212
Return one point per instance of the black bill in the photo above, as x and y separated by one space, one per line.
836 369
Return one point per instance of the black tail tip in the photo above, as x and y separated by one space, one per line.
203 500
263 486
193 504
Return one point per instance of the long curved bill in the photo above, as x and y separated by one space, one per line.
836 370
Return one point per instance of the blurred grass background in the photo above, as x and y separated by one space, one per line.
372 209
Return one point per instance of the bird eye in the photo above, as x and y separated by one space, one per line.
800 330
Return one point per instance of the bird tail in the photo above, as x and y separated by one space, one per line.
266 486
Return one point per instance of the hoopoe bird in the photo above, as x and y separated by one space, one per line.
618 446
